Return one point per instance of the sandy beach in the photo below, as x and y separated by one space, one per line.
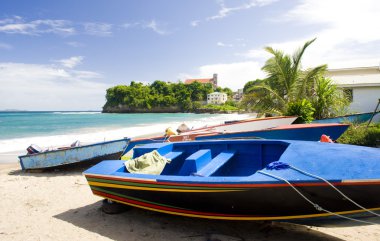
59 205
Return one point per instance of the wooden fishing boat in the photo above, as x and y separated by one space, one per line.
352 118
303 132
248 180
247 124
69 155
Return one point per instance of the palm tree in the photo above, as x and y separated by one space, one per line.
328 100
286 82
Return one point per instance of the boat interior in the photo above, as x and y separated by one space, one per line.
207 159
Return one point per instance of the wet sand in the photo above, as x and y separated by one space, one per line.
59 205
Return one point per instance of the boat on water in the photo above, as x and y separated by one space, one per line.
278 180
352 118
303 132
38 159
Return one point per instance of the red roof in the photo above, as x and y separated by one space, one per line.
203 81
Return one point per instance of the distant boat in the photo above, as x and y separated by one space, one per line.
353 118
69 155
247 124
303 132
248 180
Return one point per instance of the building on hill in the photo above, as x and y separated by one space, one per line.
213 81
216 98
238 95
361 84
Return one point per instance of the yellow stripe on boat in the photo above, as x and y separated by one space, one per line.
101 184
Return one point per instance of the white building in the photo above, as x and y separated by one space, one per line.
238 95
362 84
216 98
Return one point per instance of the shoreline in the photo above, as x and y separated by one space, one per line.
59 205
13 147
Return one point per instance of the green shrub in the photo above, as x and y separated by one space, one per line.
301 108
223 108
361 135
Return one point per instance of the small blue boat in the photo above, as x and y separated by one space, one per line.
248 180
352 118
302 132
69 155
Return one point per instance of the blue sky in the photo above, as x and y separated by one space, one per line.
63 55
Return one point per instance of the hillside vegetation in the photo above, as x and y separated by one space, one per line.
159 97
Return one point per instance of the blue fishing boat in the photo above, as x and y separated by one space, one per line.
38 159
247 180
303 132
352 118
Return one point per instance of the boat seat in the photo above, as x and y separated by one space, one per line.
195 162
173 155
162 148
215 164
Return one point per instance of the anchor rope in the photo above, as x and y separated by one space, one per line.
336 189
315 205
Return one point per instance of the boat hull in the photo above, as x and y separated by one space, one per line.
247 180
249 201
93 152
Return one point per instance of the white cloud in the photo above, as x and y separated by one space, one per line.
71 62
5 46
130 25
232 75
195 23
18 25
225 11
75 44
347 35
221 44
98 29
153 25
259 54
46 87
156 27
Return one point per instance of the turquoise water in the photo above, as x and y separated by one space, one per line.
25 124
20 129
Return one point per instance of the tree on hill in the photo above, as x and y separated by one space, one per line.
156 95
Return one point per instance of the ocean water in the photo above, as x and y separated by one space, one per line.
18 130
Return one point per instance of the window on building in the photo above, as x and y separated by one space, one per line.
349 94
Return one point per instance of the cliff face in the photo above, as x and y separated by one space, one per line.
126 109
